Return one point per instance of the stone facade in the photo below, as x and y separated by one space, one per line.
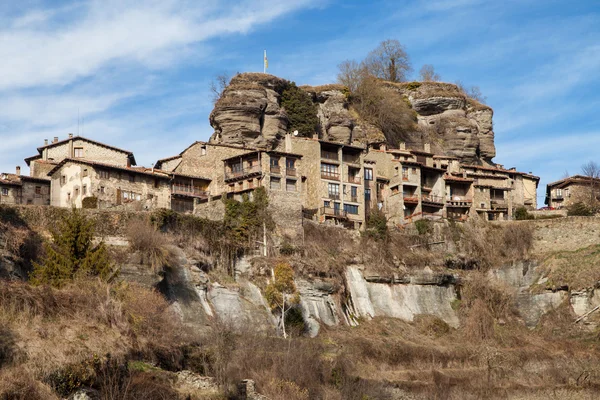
74 180
76 147
577 188
21 189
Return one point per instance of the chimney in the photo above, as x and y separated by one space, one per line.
383 147
18 170
55 139
402 146
45 142
70 136
427 147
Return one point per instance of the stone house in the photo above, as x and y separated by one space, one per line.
135 188
565 192
22 189
51 154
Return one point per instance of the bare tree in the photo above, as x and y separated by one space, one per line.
473 92
388 61
428 74
218 85
351 74
591 169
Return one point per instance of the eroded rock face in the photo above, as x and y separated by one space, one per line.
248 112
335 119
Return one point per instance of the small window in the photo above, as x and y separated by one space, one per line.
156 183
38 190
367 194
290 163
368 174
327 204
351 209
78 152
138 197
290 185
414 171
275 183
125 195
203 150
102 189
333 190
85 172
76 192
84 190
63 179
4 191
131 178
104 174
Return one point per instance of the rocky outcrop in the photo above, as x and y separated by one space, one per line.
249 113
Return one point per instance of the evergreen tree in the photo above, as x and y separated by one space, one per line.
71 253
300 109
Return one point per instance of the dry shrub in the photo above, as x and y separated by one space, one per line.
149 386
479 323
518 240
494 296
13 238
430 325
18 384
150 243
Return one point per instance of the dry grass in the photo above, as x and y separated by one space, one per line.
560 271
150 243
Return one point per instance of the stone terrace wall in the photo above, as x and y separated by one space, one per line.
564 234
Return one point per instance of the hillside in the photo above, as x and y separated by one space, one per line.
438 310
250 112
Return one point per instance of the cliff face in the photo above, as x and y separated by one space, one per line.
249 112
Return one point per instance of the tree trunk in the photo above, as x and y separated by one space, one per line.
283 319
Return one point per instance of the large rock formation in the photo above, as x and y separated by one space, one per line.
250 113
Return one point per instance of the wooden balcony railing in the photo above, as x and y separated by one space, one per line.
354 179
290 171
329 155
459 201
330 175
411 199
242 172
352 159
188 190
275 169
333 212
334 196
432 199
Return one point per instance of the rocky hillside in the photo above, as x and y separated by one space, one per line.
250 112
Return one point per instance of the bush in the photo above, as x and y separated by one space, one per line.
424 226
89 202
580 209
377 224
300 109
144 237
521 214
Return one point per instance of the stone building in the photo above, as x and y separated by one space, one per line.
21 189
51 154
576 188
135 188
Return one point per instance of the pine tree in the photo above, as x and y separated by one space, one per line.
300 109
72 253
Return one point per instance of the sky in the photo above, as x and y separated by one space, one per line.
136 74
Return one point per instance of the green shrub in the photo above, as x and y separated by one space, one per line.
72 252
377 225
580 209
300 109
521 214
413 85
424 226
89 202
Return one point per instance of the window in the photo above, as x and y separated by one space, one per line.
351 209
102 189
78 152
404 173
4 191
63 179
131 178
414 171
85 172
38 190
367 194
329 171
84 190
126 195
237 167
559 192
290 163
156 183
395 189
274 163
368 174
203 150
76 192
138 197
327 204
104 174
354 193
333 190
275 183
290 185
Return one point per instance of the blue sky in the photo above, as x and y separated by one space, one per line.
138 72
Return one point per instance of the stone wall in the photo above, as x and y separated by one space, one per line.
564 234
91 151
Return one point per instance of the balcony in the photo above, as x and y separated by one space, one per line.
329 155
353 199
558 197
498 204
411 199
334 212
290 171
459 202
242 173
354 179
189 191
405 177
436 201
334 196
333 176
351 158
275 169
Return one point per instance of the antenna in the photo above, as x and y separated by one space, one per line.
77 121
